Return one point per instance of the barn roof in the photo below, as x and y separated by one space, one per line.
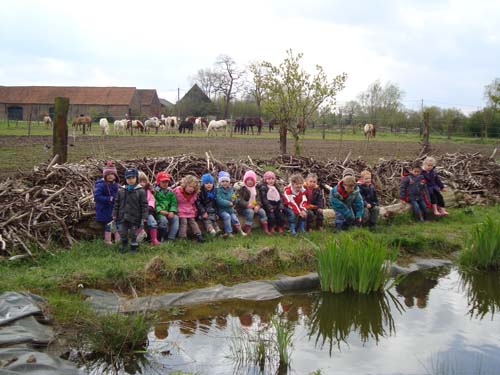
146 96
195 94
76 95
166 103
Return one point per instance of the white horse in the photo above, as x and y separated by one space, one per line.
213 126
119 126
47 121
369 130
153 122
172 124
104 125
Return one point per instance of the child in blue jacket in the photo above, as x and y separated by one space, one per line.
346 200
105 191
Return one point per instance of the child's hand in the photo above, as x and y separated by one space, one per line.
303 214
170 215
368 205
111 199
256 208
445 189
205 215
358 219
320 210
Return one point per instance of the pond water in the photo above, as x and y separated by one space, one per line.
434 322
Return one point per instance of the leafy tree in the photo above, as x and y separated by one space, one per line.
492 93
292 96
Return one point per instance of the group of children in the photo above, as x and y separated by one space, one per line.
168 212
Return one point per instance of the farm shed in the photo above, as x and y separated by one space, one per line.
25 102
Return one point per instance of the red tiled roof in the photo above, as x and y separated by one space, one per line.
146 96
76 95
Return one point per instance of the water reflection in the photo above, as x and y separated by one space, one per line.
483 292
415 287
336 316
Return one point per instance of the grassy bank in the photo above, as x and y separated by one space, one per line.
183 265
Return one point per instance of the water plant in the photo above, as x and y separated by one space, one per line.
283 340
115 337
483 294
482 249
360 264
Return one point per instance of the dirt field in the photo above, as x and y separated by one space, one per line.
20 153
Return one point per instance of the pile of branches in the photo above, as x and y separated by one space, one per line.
48 205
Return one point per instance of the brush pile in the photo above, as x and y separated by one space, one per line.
53 202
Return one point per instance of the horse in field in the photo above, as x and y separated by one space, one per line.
187 125
82 122
201 122
135 124
272 123
104 125
214 126
119 126
369 130
152 122
47 121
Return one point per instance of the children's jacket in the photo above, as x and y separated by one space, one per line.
165 200
243 197
368 193
268 205
131 205
434 183
206 202
103 191
348 204
297 202
315 198
224 199
186 203
414 188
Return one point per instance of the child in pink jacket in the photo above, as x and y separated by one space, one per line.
187 194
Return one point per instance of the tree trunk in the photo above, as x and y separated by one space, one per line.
283 131
60 129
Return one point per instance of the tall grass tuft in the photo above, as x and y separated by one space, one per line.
283 339
482 249
115 336
360 264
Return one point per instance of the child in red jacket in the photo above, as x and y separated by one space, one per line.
295 200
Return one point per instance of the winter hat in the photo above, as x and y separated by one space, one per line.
162 176
207 178
224 176
131 172
268 174
109 169
348 172
250 175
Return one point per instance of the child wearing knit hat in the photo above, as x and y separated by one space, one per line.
225 199
105 191
166 208
249 203
206 204
272 203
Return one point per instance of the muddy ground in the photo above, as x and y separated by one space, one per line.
20 153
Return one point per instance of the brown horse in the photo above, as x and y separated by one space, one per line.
136 124
82 122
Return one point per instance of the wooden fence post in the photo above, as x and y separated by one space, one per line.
60 129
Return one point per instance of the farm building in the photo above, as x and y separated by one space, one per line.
196 103
34 102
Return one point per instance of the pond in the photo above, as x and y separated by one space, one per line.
434 322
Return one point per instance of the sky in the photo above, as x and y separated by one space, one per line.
441 52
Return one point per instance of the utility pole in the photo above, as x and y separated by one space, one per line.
422 118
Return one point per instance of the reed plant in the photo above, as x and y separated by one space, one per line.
482 249
283 339
360 264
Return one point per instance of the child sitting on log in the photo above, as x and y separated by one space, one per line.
105 192
315 202
272 203
131 209
413 190
225 205
151 221
166 207
347 202
206 204
370 200
249 203
435 186
295 200
186 195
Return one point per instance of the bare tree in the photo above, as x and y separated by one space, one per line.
206 78
256 87
228 80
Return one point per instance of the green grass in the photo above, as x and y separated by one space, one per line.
356 261
188 265
482 250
